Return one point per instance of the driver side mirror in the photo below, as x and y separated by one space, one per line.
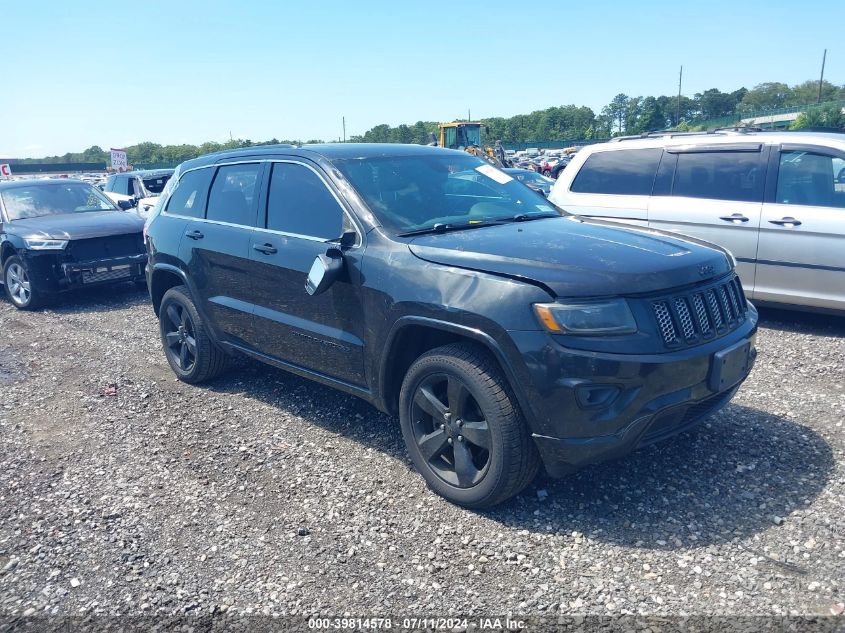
324 271
126 204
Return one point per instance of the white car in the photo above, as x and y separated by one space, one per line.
142 186
776 200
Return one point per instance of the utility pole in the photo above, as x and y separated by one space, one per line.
821 79
678 114
344 129
469 115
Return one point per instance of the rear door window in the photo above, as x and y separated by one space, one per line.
620 172
811 179
734 176
191 193
233 192
300 203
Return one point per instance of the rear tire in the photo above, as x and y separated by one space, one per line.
463 429
192 354
22 292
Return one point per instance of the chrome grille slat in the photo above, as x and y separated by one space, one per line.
664 322
714 309
684 317
723 296
701 313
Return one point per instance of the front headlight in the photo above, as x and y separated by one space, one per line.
45 245
587 318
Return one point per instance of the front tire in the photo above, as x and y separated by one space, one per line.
192 354
20 289
463 430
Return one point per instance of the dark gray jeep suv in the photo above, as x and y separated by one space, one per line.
433 285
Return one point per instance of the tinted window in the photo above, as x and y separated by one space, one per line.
233 194
110 184
190 194
621 172
720 176
300 203
811 179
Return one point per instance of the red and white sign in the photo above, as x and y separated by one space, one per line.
5 170
118 160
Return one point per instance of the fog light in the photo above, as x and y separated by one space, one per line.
595 396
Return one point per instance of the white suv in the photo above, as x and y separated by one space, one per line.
776 200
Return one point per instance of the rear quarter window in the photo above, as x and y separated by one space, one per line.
190 195
620 172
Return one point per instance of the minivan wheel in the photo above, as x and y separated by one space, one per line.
463 430
192 354
23 294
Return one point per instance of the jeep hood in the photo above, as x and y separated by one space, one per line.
77 226
576 257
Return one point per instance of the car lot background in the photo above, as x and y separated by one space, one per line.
124 491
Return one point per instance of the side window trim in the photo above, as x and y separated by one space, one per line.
266 201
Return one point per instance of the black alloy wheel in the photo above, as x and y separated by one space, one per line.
180 343
463 429
192 354
450 430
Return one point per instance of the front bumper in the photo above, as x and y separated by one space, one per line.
117 269
587 407
53 273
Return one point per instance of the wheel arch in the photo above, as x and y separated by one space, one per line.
411 337
163 278
6 251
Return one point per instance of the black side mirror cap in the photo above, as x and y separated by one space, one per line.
126 204
324 272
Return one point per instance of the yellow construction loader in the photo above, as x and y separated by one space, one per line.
466 136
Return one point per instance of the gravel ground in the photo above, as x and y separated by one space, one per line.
123 491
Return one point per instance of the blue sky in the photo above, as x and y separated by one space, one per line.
117 73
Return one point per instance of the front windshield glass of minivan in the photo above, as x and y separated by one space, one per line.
413 193
33 201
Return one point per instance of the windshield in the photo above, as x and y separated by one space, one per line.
410 193
36 200
155 184
469 135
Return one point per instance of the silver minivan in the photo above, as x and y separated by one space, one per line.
776 200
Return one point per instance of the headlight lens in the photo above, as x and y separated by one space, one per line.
587 318
45 245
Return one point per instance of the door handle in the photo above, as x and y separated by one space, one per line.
267 249
195 235
787 221
736 217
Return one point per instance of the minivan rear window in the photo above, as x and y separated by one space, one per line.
621 172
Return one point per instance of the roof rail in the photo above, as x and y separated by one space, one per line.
740 129
659 134
744 129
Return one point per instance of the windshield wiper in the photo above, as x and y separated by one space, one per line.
443 228
525 217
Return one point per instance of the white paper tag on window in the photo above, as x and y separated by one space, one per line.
491 172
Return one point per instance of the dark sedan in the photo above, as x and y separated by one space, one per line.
532 179
62 234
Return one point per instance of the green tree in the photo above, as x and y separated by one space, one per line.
766 96
824 116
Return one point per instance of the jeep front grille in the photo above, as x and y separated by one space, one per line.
700 314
